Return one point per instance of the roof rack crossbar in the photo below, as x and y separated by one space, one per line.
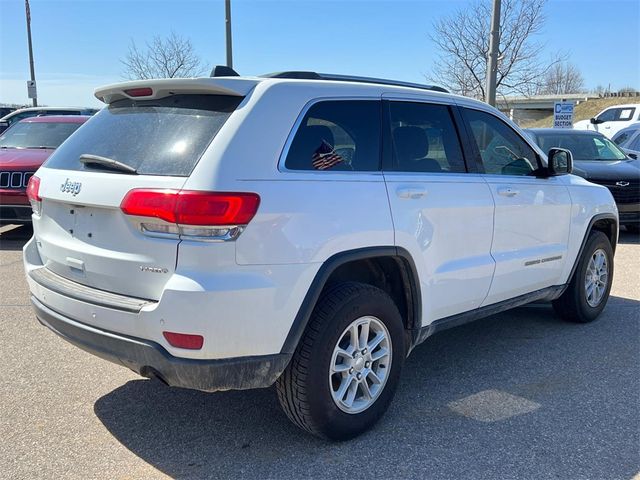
301 75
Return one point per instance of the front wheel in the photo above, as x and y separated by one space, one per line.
588 292
344 372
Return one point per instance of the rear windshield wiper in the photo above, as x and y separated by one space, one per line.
97 160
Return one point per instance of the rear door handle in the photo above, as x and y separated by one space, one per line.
413 192
508 191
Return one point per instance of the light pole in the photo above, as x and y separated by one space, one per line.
227 20
33 71
492 63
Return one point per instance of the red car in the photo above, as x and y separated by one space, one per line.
23 148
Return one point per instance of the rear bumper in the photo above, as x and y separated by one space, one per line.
151 360
240 311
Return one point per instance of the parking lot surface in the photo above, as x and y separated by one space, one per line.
517 395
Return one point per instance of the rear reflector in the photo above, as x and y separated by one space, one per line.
188 207
139 92
184 340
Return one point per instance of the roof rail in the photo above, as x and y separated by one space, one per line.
302 75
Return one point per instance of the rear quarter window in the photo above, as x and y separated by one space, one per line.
156 137
340 135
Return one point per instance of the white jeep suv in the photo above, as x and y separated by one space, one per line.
303 229
611 120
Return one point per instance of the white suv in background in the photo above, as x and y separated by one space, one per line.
611 120
303 229
22 113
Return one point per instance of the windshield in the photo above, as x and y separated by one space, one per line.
37 135
153 137
583 147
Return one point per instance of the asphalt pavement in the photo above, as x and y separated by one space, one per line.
517 395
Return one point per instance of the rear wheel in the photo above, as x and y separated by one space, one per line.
588 291
345 370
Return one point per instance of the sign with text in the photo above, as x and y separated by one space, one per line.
563 115
31 89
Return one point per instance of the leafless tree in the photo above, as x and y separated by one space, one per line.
463 43
563 77
168 57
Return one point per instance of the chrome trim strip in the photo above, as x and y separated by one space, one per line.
542 260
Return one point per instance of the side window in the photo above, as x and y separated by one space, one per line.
338 136
424 138
625 114
621 137
608 115
635 143
61 112
502 150
22 116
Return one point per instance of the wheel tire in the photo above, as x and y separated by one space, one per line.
572 305
304 389
634 228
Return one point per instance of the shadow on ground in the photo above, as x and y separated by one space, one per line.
581 380
15 238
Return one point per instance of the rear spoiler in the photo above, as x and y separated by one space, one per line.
154 89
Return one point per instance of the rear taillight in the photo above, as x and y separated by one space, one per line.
33 194
210 215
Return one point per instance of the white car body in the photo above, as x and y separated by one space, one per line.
628 139
476 241
22 113
611 120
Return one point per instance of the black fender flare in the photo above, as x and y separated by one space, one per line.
592 222
330 265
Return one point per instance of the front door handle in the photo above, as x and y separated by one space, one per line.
413 192
508 191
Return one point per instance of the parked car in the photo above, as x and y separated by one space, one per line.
628 139
6 111
236 232
600 161
611 120
21 114
23 148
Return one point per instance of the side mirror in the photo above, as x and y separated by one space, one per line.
3 126
560 162
595 121
632 155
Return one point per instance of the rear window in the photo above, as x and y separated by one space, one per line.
37 135
156 137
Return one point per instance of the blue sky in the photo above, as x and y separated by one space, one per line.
78 44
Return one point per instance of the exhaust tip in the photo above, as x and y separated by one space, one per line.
153 374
